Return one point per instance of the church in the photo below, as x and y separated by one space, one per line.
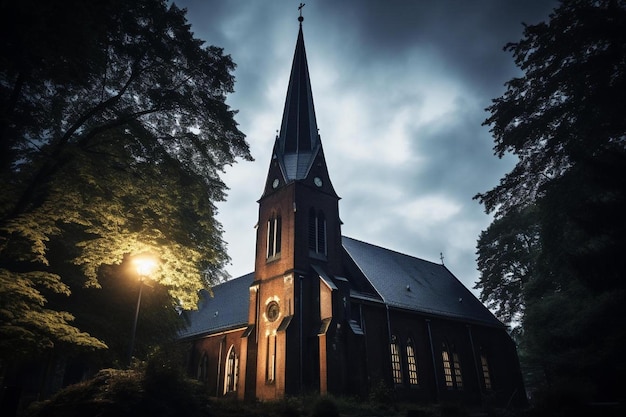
326 313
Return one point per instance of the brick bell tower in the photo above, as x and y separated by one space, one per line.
298 245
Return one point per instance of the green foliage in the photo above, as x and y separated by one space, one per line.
315 404
125 393
325 407
381 394
555 247
114 132
290 409
158 320
23 315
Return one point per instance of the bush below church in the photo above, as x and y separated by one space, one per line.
132 393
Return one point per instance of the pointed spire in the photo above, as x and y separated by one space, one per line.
298 140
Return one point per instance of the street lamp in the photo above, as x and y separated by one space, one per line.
144 266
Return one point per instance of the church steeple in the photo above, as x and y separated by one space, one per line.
298 235
298 142
298 197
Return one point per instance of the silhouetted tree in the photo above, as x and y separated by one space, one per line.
507 256
564 121
113 132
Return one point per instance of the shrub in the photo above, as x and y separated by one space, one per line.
325 407
381 394
116 393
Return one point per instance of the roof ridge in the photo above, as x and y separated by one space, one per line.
393 251
233 279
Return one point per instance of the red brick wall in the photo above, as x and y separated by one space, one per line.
216 348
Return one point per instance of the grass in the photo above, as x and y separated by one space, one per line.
320 406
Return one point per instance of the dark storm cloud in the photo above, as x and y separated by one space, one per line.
454 146
468 35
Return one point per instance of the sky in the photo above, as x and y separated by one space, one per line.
400 90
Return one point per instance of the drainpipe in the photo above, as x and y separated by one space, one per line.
389 339
480 386
365 336
388 324
219 368
432 354
301 340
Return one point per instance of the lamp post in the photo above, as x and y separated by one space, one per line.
144 267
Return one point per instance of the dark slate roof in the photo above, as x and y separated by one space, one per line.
298 142
406 282
296 166
401 281
227 309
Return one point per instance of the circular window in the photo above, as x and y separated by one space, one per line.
273 310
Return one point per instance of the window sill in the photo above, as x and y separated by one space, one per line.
317 255
272 258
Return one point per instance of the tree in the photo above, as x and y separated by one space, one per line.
564 120
507 256
107 312
114 131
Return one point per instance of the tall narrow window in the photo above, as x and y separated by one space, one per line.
458 378
203 367
277 236
395 361
451 367
270 237
317 232
232 363
485 367
270 371
321 233
447 367
412 362
312 230
273 236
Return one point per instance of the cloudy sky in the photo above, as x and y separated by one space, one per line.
400 88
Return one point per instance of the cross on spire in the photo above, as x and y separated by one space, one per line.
441 257
300 18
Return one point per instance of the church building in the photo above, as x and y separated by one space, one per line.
327 313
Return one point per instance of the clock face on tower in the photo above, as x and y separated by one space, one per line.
317 181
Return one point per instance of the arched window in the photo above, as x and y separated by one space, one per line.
411 362
270 359
203 368
451 367
317 232
395 361
232 371
273 236
485 368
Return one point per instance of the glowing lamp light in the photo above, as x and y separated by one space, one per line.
145 265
